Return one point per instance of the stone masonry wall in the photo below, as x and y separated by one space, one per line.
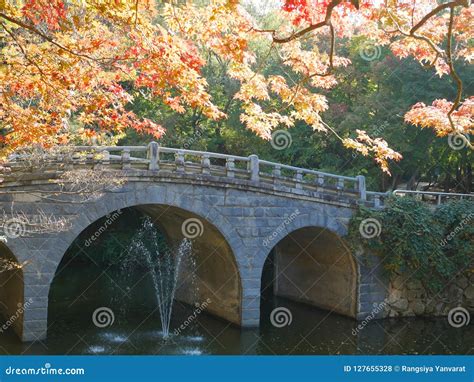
407 298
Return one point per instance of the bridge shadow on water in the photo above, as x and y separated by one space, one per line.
92 277
312 331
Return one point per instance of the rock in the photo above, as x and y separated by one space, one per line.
439 308
394 296
430 308
400 305
418 307
469 305
462 282
408 313
446 310
471 278
414 294
455 294
414 284
393 313
398 282
469 292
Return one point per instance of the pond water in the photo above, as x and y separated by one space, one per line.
312 331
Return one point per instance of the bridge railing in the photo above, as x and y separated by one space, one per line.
301 178
377 199
433 197
157 158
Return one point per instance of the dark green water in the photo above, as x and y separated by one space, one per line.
312 331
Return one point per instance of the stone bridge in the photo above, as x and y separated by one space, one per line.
238 210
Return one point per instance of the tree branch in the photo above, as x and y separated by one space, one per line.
310 28
452 70
434 12
44 36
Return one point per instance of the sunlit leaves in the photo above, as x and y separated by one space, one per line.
69 70
377 147
435 116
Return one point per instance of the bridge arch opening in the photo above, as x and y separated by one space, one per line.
314 266
11 291
94 272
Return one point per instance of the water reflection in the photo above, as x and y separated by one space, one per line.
312 331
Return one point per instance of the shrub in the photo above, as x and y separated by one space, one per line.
433 245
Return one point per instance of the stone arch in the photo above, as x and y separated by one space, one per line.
148 195
313 264
11 290
218 261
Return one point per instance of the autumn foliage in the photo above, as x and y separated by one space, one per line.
70 69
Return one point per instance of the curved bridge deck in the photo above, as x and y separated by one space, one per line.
162 161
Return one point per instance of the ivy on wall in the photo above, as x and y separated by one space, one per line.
433 245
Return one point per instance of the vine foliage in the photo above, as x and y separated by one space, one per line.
433 245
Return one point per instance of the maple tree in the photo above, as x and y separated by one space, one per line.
69 69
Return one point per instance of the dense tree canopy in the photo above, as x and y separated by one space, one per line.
80 70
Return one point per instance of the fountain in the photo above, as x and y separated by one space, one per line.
164 265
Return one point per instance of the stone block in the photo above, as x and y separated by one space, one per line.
400 305
469 292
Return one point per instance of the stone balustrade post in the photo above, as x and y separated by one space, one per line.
206 164
254 168
125 158
153 155
361 187
230 167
